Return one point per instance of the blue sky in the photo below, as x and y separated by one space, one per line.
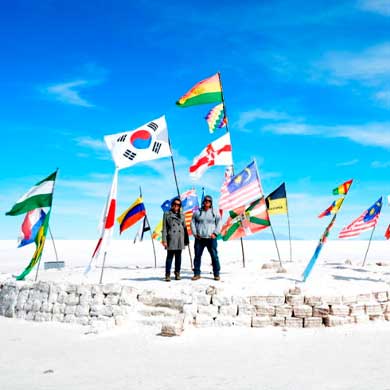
307 90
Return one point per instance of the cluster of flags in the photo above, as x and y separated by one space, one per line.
242 196
36 221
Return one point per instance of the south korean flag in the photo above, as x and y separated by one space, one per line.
148 142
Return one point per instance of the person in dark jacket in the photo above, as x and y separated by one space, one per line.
205 226
174 237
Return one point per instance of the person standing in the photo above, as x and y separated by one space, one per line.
205 226
174 238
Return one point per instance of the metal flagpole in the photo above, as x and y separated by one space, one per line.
228 131
368 247
54 245
150 231
178 193
276 244
289 231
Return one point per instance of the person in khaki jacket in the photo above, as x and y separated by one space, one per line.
174 238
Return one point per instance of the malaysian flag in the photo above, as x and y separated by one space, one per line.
365 222
241 189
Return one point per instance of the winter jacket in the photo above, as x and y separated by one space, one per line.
174 231
205 223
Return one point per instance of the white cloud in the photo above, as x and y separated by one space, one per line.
370 134
347 163
91 143
248 117
380 164
378 6
69 92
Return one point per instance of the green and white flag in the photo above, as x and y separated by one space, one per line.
41 195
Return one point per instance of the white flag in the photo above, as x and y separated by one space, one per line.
148 142
218 152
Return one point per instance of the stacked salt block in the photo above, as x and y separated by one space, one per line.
113 303
66 302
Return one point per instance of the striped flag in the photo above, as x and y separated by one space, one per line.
189 203
387 233
41 195
366 221
131 215
342 189
157 232
241 189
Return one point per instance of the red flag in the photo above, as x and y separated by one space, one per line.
387 233
107 223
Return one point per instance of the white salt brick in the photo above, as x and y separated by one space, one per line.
261 322
294 322
312 322
339 310
302 311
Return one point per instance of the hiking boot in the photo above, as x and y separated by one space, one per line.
177 276
195 277
217 277
167 278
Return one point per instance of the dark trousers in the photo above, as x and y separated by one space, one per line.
168 261
211 245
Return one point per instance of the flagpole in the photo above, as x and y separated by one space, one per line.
104 262
178 193
48 226
228 131
289 231
150 231
276 244
368 247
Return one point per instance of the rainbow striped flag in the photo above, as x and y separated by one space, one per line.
343 188
132 215
216 118
206 91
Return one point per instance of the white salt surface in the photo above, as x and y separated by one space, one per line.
62 356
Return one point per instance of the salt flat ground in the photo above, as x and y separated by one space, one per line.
62 356
58 356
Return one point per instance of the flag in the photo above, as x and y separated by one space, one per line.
387 233
144 227
241 189
189 203
317 251
41 195
166 206
219 152
206 91
216 118
40 243
333 208
131 215
365 222
157 232
107 222
343 188
277 201
245 221
148 142
32 222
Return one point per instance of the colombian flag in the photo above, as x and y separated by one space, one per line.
132 215
206 91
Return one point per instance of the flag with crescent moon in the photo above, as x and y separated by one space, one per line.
242 189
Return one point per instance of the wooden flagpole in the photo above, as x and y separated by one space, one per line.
178 194
150 231
48 228
228 131
368 247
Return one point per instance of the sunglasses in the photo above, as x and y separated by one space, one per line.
207 200
177 204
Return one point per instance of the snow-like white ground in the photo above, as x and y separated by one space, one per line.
62 356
